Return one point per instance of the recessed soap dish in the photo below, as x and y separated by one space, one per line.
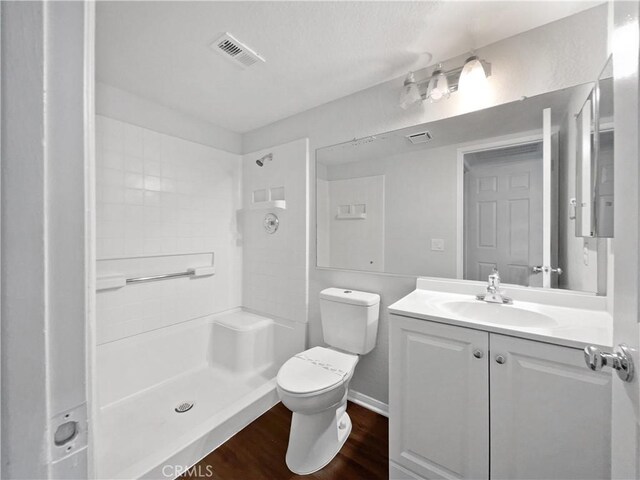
352 212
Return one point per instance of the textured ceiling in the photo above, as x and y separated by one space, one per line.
316 52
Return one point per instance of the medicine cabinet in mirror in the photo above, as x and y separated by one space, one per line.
594 172
457 197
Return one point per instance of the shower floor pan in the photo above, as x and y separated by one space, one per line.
144 437
171 396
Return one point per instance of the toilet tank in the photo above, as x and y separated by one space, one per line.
349 319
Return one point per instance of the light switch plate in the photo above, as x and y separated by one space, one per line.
437 244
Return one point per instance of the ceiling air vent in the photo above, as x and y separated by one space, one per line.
236 51
420 137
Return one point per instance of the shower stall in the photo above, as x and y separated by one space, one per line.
197 303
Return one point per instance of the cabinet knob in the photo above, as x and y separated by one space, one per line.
478 353
500 359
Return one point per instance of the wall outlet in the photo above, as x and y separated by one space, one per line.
585 256
437 244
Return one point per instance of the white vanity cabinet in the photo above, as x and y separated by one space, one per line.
438 399
550 415
466 403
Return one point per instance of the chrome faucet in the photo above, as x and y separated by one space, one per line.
493 293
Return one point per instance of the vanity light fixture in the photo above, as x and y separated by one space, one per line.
440 84
410 92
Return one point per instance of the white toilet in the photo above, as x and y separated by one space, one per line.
314 384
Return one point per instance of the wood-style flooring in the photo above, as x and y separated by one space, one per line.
258 451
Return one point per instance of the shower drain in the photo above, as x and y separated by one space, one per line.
184 407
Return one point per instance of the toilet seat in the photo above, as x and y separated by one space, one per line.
316 370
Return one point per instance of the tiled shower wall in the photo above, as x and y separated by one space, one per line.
158 194
164 203
275 267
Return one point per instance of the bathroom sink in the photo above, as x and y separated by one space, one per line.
567 319
498 314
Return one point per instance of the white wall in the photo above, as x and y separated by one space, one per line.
354 243
275 266
420 204
564 53
118 104
323 221
164 205
43 244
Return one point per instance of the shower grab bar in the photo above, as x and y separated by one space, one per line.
153 278
110 282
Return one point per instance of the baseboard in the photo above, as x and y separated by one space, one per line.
397 472
368 402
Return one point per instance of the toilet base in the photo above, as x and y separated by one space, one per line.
314 440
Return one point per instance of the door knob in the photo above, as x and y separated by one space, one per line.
478 353
500 359
620 360
540 269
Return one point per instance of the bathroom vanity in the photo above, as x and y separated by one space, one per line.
481 390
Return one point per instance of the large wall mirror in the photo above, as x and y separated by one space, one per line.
457 197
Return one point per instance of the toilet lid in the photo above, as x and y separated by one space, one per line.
315 369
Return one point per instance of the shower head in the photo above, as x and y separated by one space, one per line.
267 158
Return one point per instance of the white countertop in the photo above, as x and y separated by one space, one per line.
572 325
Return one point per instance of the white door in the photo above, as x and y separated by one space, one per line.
546 411
503 226
625 433
439 399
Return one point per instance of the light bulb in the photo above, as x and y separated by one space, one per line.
438 86
410 93
473 75
475 92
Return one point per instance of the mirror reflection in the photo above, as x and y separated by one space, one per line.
496 188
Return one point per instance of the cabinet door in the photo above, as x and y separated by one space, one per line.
550 415
439 399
